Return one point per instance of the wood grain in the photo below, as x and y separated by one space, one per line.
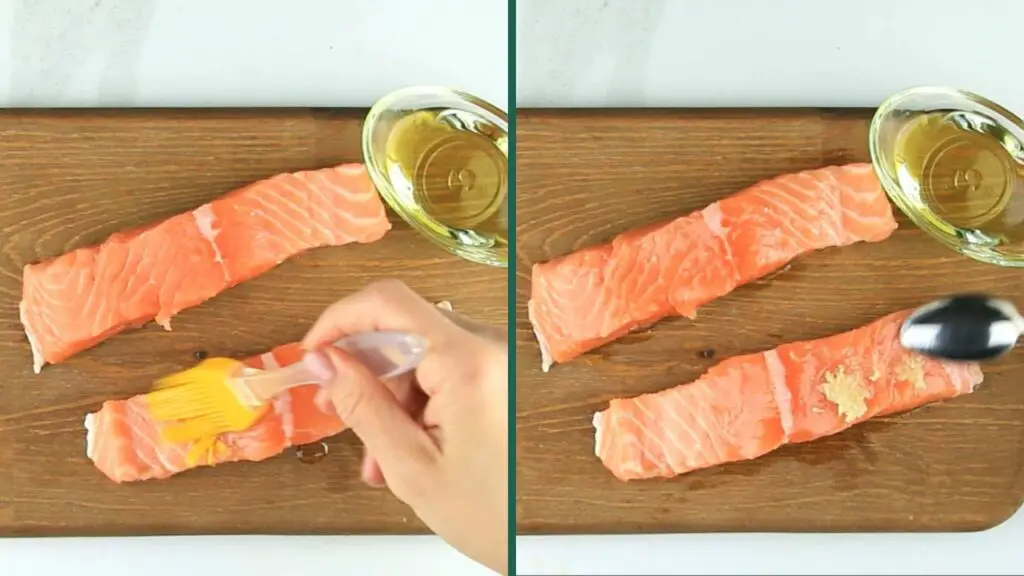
585 176
70 179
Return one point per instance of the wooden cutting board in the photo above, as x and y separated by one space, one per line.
583 177
70 179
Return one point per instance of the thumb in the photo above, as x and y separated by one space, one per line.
402 448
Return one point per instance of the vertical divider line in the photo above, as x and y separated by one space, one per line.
511 271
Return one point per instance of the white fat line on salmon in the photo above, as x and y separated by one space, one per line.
599 431
662 463
780 391
137 437
545 355
162 458
204 218
90 434
712 216
37 351
351 169
834 193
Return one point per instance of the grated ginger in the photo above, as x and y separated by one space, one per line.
847 392
912 370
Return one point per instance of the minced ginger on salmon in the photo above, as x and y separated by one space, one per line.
750 405
75 301
589 298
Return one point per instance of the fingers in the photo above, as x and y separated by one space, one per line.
370 471
322 401
405 390
412 401
384 305
433 415
405 453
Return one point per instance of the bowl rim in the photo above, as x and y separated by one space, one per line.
489 256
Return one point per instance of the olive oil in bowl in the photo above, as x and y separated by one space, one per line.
439 158
954 163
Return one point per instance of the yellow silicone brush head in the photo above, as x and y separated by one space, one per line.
201 402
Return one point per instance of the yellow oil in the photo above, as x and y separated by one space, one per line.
453 168
966 170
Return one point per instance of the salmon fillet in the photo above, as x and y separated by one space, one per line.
75 301
589 298
747 406
124 442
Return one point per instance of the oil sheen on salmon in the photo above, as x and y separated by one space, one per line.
453 165
966 170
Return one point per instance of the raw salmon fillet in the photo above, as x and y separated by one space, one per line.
125 444
77 300
747 406
589 298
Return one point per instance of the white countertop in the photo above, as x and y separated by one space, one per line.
572 53
247 52
653 53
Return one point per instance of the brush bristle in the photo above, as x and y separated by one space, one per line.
200 402
217 369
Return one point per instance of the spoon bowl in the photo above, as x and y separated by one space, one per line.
965 327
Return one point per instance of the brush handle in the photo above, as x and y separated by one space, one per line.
386 354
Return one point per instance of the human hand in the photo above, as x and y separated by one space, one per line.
437 438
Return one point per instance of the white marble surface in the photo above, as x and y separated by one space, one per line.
591 53
247 52
243 53
683 53
995 551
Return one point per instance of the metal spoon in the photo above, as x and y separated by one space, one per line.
966 327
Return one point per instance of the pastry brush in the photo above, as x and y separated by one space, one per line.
222 395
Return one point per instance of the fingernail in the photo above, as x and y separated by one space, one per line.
319 366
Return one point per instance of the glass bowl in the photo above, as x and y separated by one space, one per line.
963 109
439 158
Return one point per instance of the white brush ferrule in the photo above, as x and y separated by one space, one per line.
257 387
